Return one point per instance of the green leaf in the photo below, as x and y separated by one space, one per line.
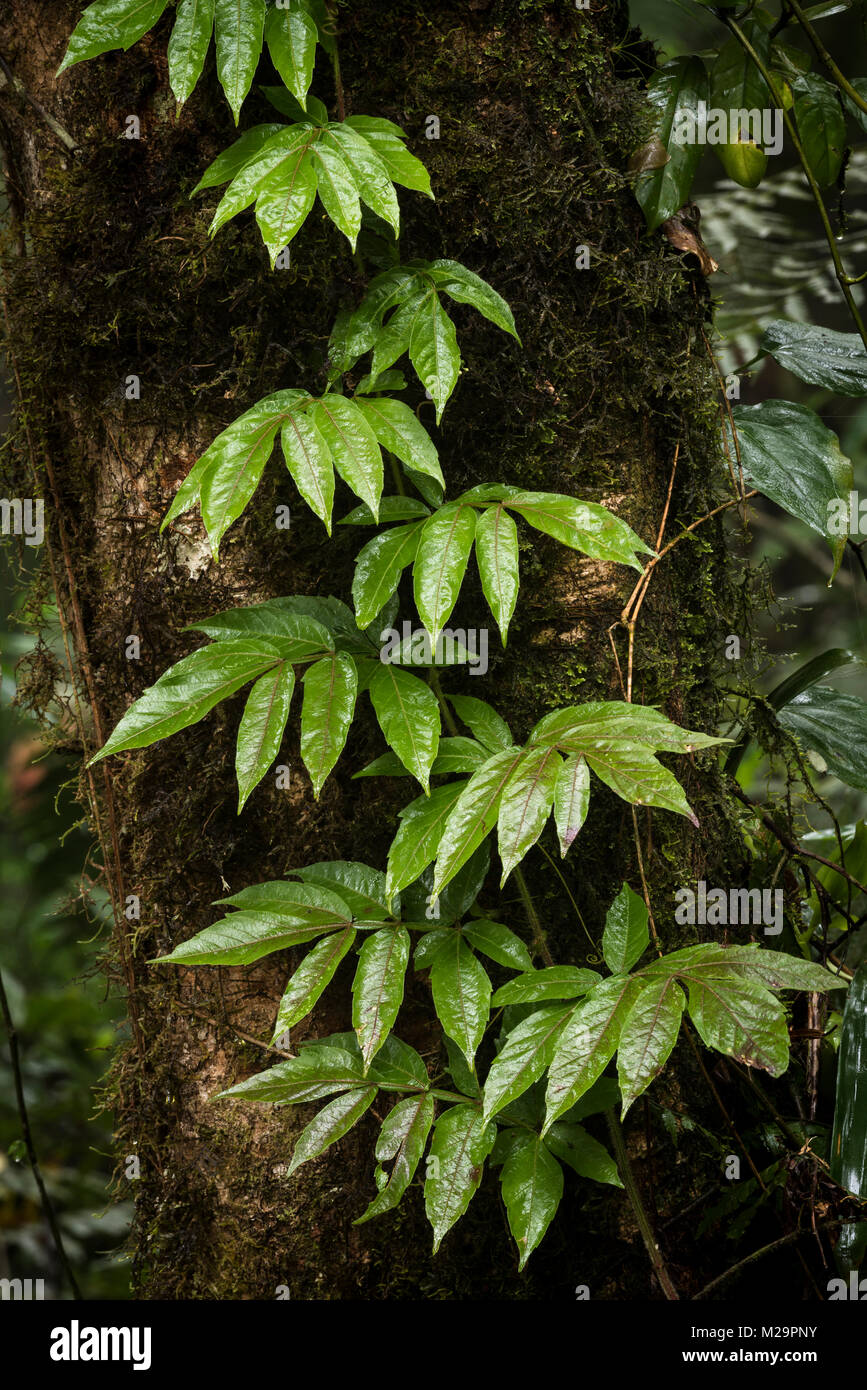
308 459
393 508
461 995
378 569
185 694
387 140
339 191
433 351
483 721
441 562
330 688
742 1020
834 725
571 799
318 1072
588 1042
737 85
473 815
369 171
421 828
849 1139
626 936
109 24
261 729
393 338
648 1035
402 1138
468 288
298 904
291 36
499 943
790 456
377 991
526 1054
361 888
674 91
454 901
454 755
400 431
354 449
232 161
497 557
573 1145
532 1184
582 526
294 635
311 978
554 982
332 1122
526 803
239 28
819 356
245 937
821 125
462 1141
408 714
234 463
285 197
601 724
287 148
188 46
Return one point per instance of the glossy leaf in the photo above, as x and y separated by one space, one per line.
409 716
354 449
441 562
403 1138
434 352
526 802
497 556
821 125
483 721
330 688
473 815
311 978
400 431
239 26
462 996
834 725
186 692
421 828
378 568
582 526
110 24
461 1142
308 459
743 1020
554 982
377 992
468 288
819 356
526 1054
285 196
291 36
499 943
387 139
260 731
319 1071
573 1145
188 46
588 1042
571 799
674 91
626 935
532 1184
648 1035
332 1122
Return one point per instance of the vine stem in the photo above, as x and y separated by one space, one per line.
842 82
618 1143
844 280
47 1204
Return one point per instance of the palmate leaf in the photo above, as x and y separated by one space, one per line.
525 1056
626 935
188 46
109 24
419 325
617 740
270 917
330 688
317 1072
311 978
647 1037
377 992
260 731
409 716
330 1124
292 36
344 162
587 1041
462 995
318 435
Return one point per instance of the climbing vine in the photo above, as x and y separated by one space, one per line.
549 1029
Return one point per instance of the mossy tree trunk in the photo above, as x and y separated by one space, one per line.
109 273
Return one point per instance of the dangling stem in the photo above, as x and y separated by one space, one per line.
618 1143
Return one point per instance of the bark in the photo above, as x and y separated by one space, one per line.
108 272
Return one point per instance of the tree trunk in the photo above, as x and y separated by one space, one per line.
109 274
